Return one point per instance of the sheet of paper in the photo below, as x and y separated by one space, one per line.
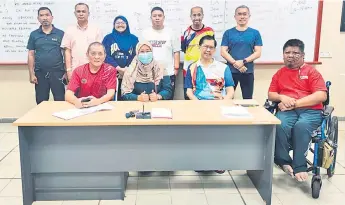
161 113
246 103
235 112
75 112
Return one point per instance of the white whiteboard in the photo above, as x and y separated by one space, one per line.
277 20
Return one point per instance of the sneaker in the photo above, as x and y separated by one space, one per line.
220 171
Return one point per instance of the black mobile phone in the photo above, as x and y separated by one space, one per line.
86 100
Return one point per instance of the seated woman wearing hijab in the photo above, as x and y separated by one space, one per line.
145 80
120 48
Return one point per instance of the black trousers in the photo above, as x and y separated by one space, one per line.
118 92
47 81
172 81
246 81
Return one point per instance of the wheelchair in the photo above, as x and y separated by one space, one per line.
325 140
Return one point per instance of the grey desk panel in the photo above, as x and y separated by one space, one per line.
147 148
53 159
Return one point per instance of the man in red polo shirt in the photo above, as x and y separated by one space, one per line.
93 83
300 91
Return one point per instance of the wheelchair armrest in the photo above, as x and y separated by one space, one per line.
327 111
271 106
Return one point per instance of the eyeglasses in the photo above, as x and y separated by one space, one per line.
120 23
208 47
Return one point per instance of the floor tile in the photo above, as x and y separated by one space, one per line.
245 185
188 199
8 142
8 128
221 198
215 177
219 184
47 203
12 158
255 199
213 173
238 172
2 155
342 163
186 184
133 174
94 202
10 166
185 179
11 201
153 185
14 189
132 186
129 200
153 174
341 125
16 149
8 171
332 199
283 184
339 182
296 199
154 199
184 173
4 183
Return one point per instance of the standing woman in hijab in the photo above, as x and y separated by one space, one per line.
145 80
120 48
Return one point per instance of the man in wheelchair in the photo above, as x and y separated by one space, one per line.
300 91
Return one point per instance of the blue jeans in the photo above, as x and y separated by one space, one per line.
295 133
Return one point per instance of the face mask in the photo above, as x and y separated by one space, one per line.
145 58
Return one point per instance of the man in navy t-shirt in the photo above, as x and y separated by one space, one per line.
241 45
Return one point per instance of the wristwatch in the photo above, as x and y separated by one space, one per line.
244 61
68 69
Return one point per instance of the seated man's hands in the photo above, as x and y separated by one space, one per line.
143 97
154 96
288 102
77 103
218 95
283 108
93 102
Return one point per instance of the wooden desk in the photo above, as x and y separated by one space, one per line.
88 158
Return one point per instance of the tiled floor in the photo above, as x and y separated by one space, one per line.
184 187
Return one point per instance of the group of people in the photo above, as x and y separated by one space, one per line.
122 67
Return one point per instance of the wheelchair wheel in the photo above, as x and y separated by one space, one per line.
315 188
333 136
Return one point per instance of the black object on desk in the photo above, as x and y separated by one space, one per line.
143 114
139 115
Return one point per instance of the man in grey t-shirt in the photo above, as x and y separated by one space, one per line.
45 59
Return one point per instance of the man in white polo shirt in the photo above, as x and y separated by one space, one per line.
166 44
77 39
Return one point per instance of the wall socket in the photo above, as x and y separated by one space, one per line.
325 54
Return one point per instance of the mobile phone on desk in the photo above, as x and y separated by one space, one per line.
86 100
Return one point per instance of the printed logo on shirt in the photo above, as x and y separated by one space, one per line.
114 47
130 51
54 39
157 44
83 81
303 77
